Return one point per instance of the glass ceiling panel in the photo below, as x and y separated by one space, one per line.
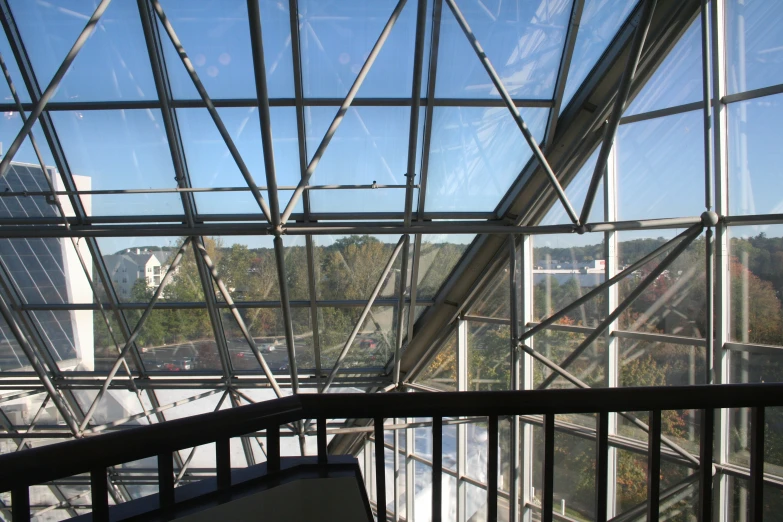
523 40
576 192
337 37
120 149
13 71
438 256
216 38
475 155
600 21
112 65
11 355
211 165
754 53
370 146
349 267
441 373
678 80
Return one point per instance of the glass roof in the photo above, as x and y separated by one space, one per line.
162 160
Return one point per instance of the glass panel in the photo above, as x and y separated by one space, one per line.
576 191
489 364
337 37
13 71
268 330
349 267
114 405
655 185
211 165
756 283
675 302
475 155
112 65
523 40
755 156
495 300
11 355
441 373
753 53
678 80
25 157
369 147
124 149
574 472
589 366
600 21
631 479
216 38
177 340
565 268
438 256
373 345
647 363
68 335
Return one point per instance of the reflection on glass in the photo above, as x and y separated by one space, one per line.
267 328
523 40
114 405
574 469
489 364
652 183
675 302
646 363
589 367
112 65
369 147
373 345
631 485
439 254
565 267
756 282
599 23
754 54
475 155
337 37
755 156
120 149
349 267
216 38
678 80
495 300
441 373
11 355
211 165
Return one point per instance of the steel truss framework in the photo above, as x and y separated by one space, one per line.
504 243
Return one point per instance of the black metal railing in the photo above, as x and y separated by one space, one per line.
20 470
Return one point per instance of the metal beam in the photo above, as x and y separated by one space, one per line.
401 308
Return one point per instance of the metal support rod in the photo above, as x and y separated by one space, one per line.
706 88
285 304
694 231
338 118
756 508
623 91
654 466
363 316
40 371
34 421
401 308
515 439
212 110
202 251
158 292
602 287
709 320
496 81
313 292
413 132
92 22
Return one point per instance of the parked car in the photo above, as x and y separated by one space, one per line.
368 344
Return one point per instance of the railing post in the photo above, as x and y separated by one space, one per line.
654 465
437 467
223 463
380 470
99 491
20 503
321 436
273 449
756 464
492 469
601 466
705 460
166 481
547 500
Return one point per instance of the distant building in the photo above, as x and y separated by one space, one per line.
127 267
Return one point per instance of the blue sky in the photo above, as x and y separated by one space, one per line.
476 153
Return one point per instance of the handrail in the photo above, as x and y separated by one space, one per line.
52 462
